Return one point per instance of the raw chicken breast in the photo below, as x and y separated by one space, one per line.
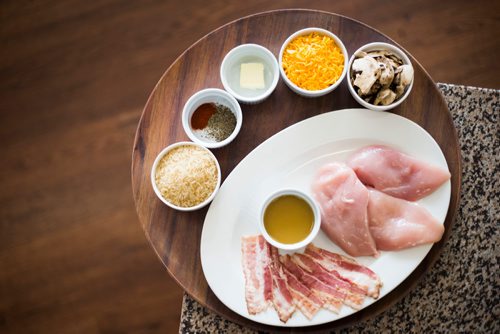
343 200
395 173
397 224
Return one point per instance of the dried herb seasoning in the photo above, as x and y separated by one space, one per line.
221 124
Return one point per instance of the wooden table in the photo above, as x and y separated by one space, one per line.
175 236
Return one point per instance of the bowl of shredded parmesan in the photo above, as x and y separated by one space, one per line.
313 62
186 176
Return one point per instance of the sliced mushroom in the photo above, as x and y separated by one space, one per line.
360 54
406 75
399 90
375 88
366 71
398 61
385 97
395 62
378 53
386 72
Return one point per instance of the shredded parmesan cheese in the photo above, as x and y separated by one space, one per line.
186 176
313 61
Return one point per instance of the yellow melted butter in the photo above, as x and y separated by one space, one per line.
288 219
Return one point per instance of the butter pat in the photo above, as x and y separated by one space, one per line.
252 76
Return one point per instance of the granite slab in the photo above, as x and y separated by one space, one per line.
460 293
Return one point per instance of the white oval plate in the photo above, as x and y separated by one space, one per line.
290 159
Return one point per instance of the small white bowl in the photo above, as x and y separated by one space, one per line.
372 47
305 92
230 72
210 95
157 191
316 225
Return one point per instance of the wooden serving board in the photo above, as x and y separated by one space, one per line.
175 236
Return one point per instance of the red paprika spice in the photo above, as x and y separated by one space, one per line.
201 115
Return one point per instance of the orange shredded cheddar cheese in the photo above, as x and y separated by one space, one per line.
313 61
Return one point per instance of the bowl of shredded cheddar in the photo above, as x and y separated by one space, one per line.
313 62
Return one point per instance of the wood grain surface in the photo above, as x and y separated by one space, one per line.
175 235
74 78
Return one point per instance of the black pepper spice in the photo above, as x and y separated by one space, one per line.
221 124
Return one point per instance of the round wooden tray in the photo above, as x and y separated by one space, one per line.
175 236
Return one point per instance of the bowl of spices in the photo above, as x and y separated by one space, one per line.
212 118
313 62
250 73
290 219
185 176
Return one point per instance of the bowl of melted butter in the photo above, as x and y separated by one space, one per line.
290 219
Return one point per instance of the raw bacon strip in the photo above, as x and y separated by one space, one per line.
354 295
331 298
282 297
397 224
348 269
395 173
283 301
256 258
275 256
304 298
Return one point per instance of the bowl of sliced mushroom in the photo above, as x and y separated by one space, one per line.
380 76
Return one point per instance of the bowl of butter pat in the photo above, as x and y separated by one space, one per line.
250 73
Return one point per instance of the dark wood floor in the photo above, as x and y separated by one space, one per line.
74 76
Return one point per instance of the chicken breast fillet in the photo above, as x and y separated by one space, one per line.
343 200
